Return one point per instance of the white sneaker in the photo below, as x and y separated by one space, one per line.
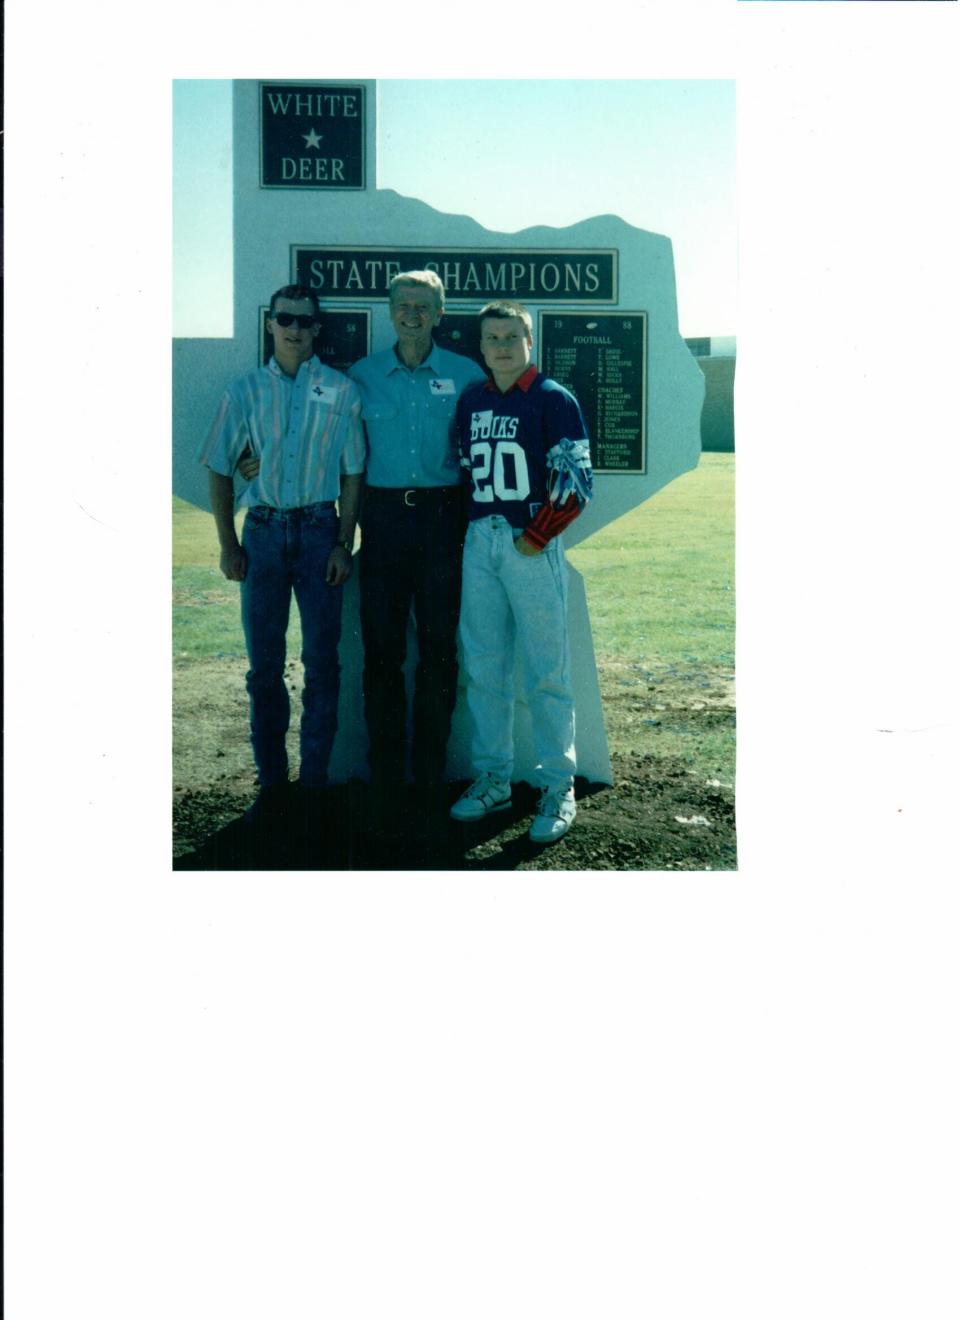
555 815
484 795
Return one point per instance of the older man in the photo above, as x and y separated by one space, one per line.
301 421
413 525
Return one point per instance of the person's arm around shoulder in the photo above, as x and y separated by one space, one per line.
233 558
249 465
340 561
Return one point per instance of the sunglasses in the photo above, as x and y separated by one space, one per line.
303 322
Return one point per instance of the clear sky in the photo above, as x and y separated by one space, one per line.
660 154
202 208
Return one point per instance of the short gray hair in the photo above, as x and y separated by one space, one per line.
423 279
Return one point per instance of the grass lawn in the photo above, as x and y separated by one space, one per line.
660 579
660 588
206 607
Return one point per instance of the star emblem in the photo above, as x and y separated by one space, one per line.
313 138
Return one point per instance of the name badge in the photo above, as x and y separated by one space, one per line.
439 386
322 393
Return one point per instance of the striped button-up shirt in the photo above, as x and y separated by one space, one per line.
409 416
306 433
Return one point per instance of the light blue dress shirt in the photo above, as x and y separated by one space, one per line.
409 416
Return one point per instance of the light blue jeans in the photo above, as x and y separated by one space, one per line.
287 551
511 600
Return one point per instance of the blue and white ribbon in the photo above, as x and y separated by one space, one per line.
570 472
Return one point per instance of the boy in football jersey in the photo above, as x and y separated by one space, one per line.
524 445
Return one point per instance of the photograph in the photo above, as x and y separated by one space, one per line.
481 715
435 705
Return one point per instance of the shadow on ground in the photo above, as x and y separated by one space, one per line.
340 834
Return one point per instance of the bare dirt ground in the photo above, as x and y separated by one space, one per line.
657 815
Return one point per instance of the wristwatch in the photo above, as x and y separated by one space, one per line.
347 545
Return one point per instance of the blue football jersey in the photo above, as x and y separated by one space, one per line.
504 440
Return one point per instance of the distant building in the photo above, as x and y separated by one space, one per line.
698 347
724 346
717 359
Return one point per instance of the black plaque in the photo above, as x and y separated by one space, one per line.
344 337
537 275
460 333
602 358
312 135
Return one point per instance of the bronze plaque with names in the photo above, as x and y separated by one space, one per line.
459 332
601 357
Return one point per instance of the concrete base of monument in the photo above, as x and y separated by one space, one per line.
349 758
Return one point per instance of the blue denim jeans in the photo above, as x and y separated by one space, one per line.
287 550
514 602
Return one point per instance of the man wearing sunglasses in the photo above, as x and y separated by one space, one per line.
413 525
300 420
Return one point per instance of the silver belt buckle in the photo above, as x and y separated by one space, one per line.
410 503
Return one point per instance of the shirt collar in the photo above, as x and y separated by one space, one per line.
523 383
274 366
429 362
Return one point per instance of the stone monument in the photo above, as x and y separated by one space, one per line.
601 292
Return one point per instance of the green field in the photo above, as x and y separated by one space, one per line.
660 579
660 589
206 607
